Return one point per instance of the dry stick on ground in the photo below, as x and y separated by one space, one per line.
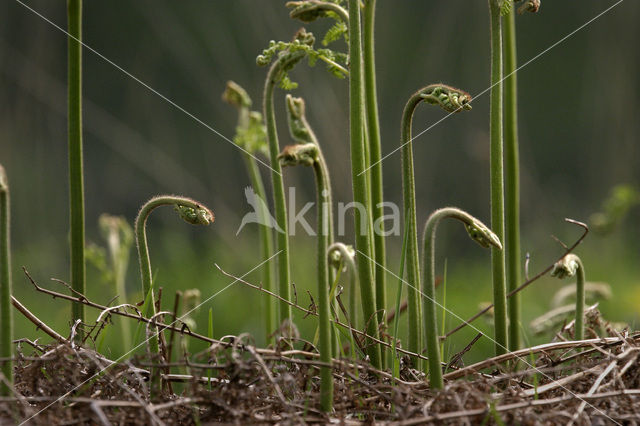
515 406
284 356
607 341
185 331
593 389
528 282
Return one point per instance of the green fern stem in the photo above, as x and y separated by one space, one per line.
189 210
570 266
451 100
359 181
6 330
308 155
375 154
497 180
76 180
409 206
480 233
512 179
275 74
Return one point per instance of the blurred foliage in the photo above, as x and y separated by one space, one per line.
614 209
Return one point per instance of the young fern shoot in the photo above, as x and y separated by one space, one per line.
497 177
277 74
570 266
188 209
6 330
451 100
512 169
342 255
76 179
359 182
481 234
302 133
308 155
251 135
375 152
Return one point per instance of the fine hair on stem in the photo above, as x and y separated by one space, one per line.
480 233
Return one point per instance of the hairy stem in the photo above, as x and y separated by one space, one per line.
282 241
6 317
409 206
497 180
190 211
325 346
76 180
308 154
375 154
477 231
512 178
359 181
451 100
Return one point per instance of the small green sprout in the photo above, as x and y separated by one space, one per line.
570 266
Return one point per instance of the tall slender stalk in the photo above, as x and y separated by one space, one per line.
76 180
191 212
480 233
359 181
512 179
497 180
570 266
251 136
286 60
6 317
375 153
451 100
308 155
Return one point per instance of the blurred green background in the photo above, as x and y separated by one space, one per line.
579 127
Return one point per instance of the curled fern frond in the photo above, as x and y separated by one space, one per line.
566 267
482 235
448 98
235 95
290 53
532 6
298 126
341 254
198 215
505 7
310 10
299 154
